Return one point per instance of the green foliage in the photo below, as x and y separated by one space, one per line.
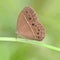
23 49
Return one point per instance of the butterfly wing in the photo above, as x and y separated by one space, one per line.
29 26
23 27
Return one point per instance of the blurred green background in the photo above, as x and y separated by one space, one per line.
49 14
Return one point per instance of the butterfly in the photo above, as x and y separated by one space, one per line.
29 26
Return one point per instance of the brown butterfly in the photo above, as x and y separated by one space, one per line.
28 25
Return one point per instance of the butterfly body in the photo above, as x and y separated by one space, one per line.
29 26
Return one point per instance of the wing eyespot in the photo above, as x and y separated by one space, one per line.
38 37
33 24
37 33
38 29
29 18
26 11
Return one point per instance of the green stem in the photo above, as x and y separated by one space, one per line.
30 42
